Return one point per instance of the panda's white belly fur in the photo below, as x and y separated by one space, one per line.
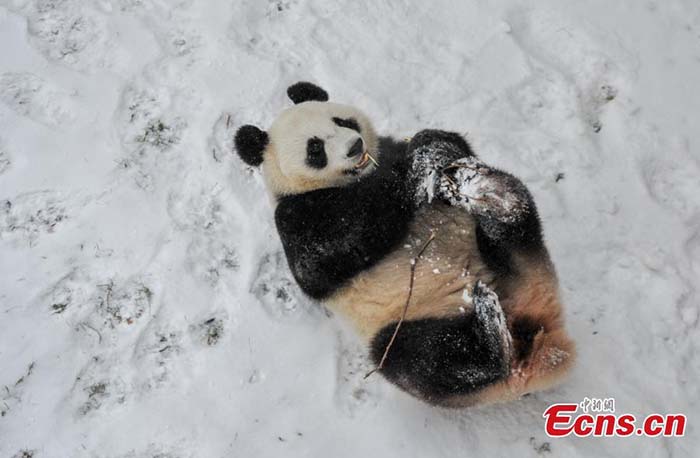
449 265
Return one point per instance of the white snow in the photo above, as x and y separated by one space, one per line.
145 307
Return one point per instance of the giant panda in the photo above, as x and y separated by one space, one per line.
380 229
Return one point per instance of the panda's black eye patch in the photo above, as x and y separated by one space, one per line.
350 123
316 153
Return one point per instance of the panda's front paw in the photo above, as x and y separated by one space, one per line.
481 190
431 152
425 172
462 182
448 144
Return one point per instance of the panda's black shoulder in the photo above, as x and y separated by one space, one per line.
392 149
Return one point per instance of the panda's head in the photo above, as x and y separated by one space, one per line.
314 144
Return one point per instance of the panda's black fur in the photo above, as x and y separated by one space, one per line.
333 234
304 91
437 358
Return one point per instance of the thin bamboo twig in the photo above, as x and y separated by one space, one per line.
414 262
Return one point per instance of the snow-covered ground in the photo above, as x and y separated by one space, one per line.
146 309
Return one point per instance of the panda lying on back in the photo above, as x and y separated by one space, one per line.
484 321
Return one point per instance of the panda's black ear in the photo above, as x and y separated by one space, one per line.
250 143
304 91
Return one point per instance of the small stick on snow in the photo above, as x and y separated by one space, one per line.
99 336
414 262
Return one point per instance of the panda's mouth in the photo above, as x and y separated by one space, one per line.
365 160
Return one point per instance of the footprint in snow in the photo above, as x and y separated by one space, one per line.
35 98
100 310
673 183
155 353
209 331
5 161
352 390
278 292
72 33
211 258
220 141
98 386
29 216
150 129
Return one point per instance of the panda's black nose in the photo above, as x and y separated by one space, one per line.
357 148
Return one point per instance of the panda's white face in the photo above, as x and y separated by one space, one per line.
316 145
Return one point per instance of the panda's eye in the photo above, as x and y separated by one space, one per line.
350 123
316 153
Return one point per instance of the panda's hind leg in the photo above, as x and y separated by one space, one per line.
445 358
542 355
509 237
